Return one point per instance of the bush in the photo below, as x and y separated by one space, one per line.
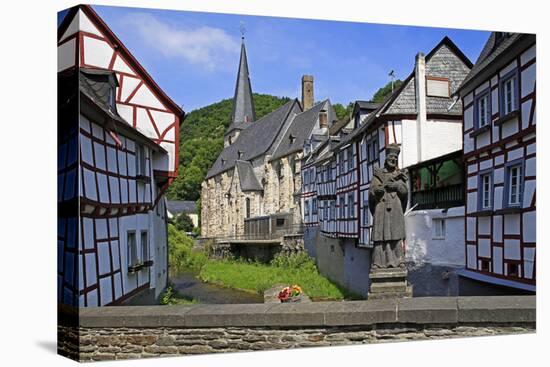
184 223
180 251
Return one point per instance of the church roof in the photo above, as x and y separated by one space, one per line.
243 105
300 129
256 139
247 177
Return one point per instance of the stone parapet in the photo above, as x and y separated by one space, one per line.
148 331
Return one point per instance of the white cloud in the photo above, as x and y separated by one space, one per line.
207 47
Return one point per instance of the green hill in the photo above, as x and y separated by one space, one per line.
201 141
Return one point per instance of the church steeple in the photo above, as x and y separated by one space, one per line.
243 106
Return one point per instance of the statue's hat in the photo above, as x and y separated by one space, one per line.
393 148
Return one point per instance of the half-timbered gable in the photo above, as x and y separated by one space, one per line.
119 252
85 41
499 98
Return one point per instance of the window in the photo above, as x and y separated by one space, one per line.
306 208
486 191
247 204
132 248
342 207
372 149
332 210
439 229
508 93
514 182
351 206
140 160
365 212
144 247
112 99
342 159
512 270
314 206
485 265
280 222
350 158
483 109
437 87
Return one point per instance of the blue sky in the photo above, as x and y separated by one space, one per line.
194 56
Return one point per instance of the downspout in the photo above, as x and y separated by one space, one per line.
420 83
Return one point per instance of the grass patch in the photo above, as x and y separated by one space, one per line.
295 269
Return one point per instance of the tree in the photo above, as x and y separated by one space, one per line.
385 91
184 223
342 112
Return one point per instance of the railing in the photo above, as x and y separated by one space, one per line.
439 198
263 233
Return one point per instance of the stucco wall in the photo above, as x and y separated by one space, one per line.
357 261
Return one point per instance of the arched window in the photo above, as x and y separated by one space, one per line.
247 203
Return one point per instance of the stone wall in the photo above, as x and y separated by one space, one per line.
108 333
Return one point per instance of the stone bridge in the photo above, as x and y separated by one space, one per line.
127 332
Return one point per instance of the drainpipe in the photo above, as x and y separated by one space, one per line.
420 83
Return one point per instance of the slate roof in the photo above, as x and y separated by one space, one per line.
444 60
256 139
243 104
300 129
491 51
338 125
247 177
180 206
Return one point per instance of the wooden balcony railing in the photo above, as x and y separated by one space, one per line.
439 198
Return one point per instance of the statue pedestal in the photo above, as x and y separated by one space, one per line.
389 283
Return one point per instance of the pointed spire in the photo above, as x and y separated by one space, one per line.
243 106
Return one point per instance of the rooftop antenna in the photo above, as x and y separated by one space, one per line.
392 77
242 29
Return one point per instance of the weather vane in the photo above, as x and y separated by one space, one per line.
243 29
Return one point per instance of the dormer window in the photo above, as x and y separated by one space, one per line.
223 162
291 139
240 153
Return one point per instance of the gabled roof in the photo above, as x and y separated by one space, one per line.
300 129
243 104
256 139
338 125
494 51
94 85
365 105
247 177
102 26
181 206
444 60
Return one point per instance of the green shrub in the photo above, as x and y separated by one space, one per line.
181 255
184 223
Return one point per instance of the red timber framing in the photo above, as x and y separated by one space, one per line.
347 190
326 195
140 101
501 240
372 147
309 195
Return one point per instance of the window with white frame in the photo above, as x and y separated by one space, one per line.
483 110
439 228
144 246
486 191
514 180
508 93
132 248
140 160
351 206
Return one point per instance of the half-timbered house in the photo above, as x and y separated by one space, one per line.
422 118
499 98
125 131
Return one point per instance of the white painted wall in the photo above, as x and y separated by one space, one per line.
422 248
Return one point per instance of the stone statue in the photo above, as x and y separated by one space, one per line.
387 203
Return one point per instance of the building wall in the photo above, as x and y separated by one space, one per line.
501 238
330 258
433 262
357 262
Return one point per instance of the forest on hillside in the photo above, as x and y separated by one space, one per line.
201 138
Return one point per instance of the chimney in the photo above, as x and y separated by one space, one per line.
420 84
307 92
323 119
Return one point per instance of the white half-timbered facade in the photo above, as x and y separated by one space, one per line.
499 98
309 194
113 239
347 190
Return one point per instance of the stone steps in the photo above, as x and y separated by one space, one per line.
389 283
389 287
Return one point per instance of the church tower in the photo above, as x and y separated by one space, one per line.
243 105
